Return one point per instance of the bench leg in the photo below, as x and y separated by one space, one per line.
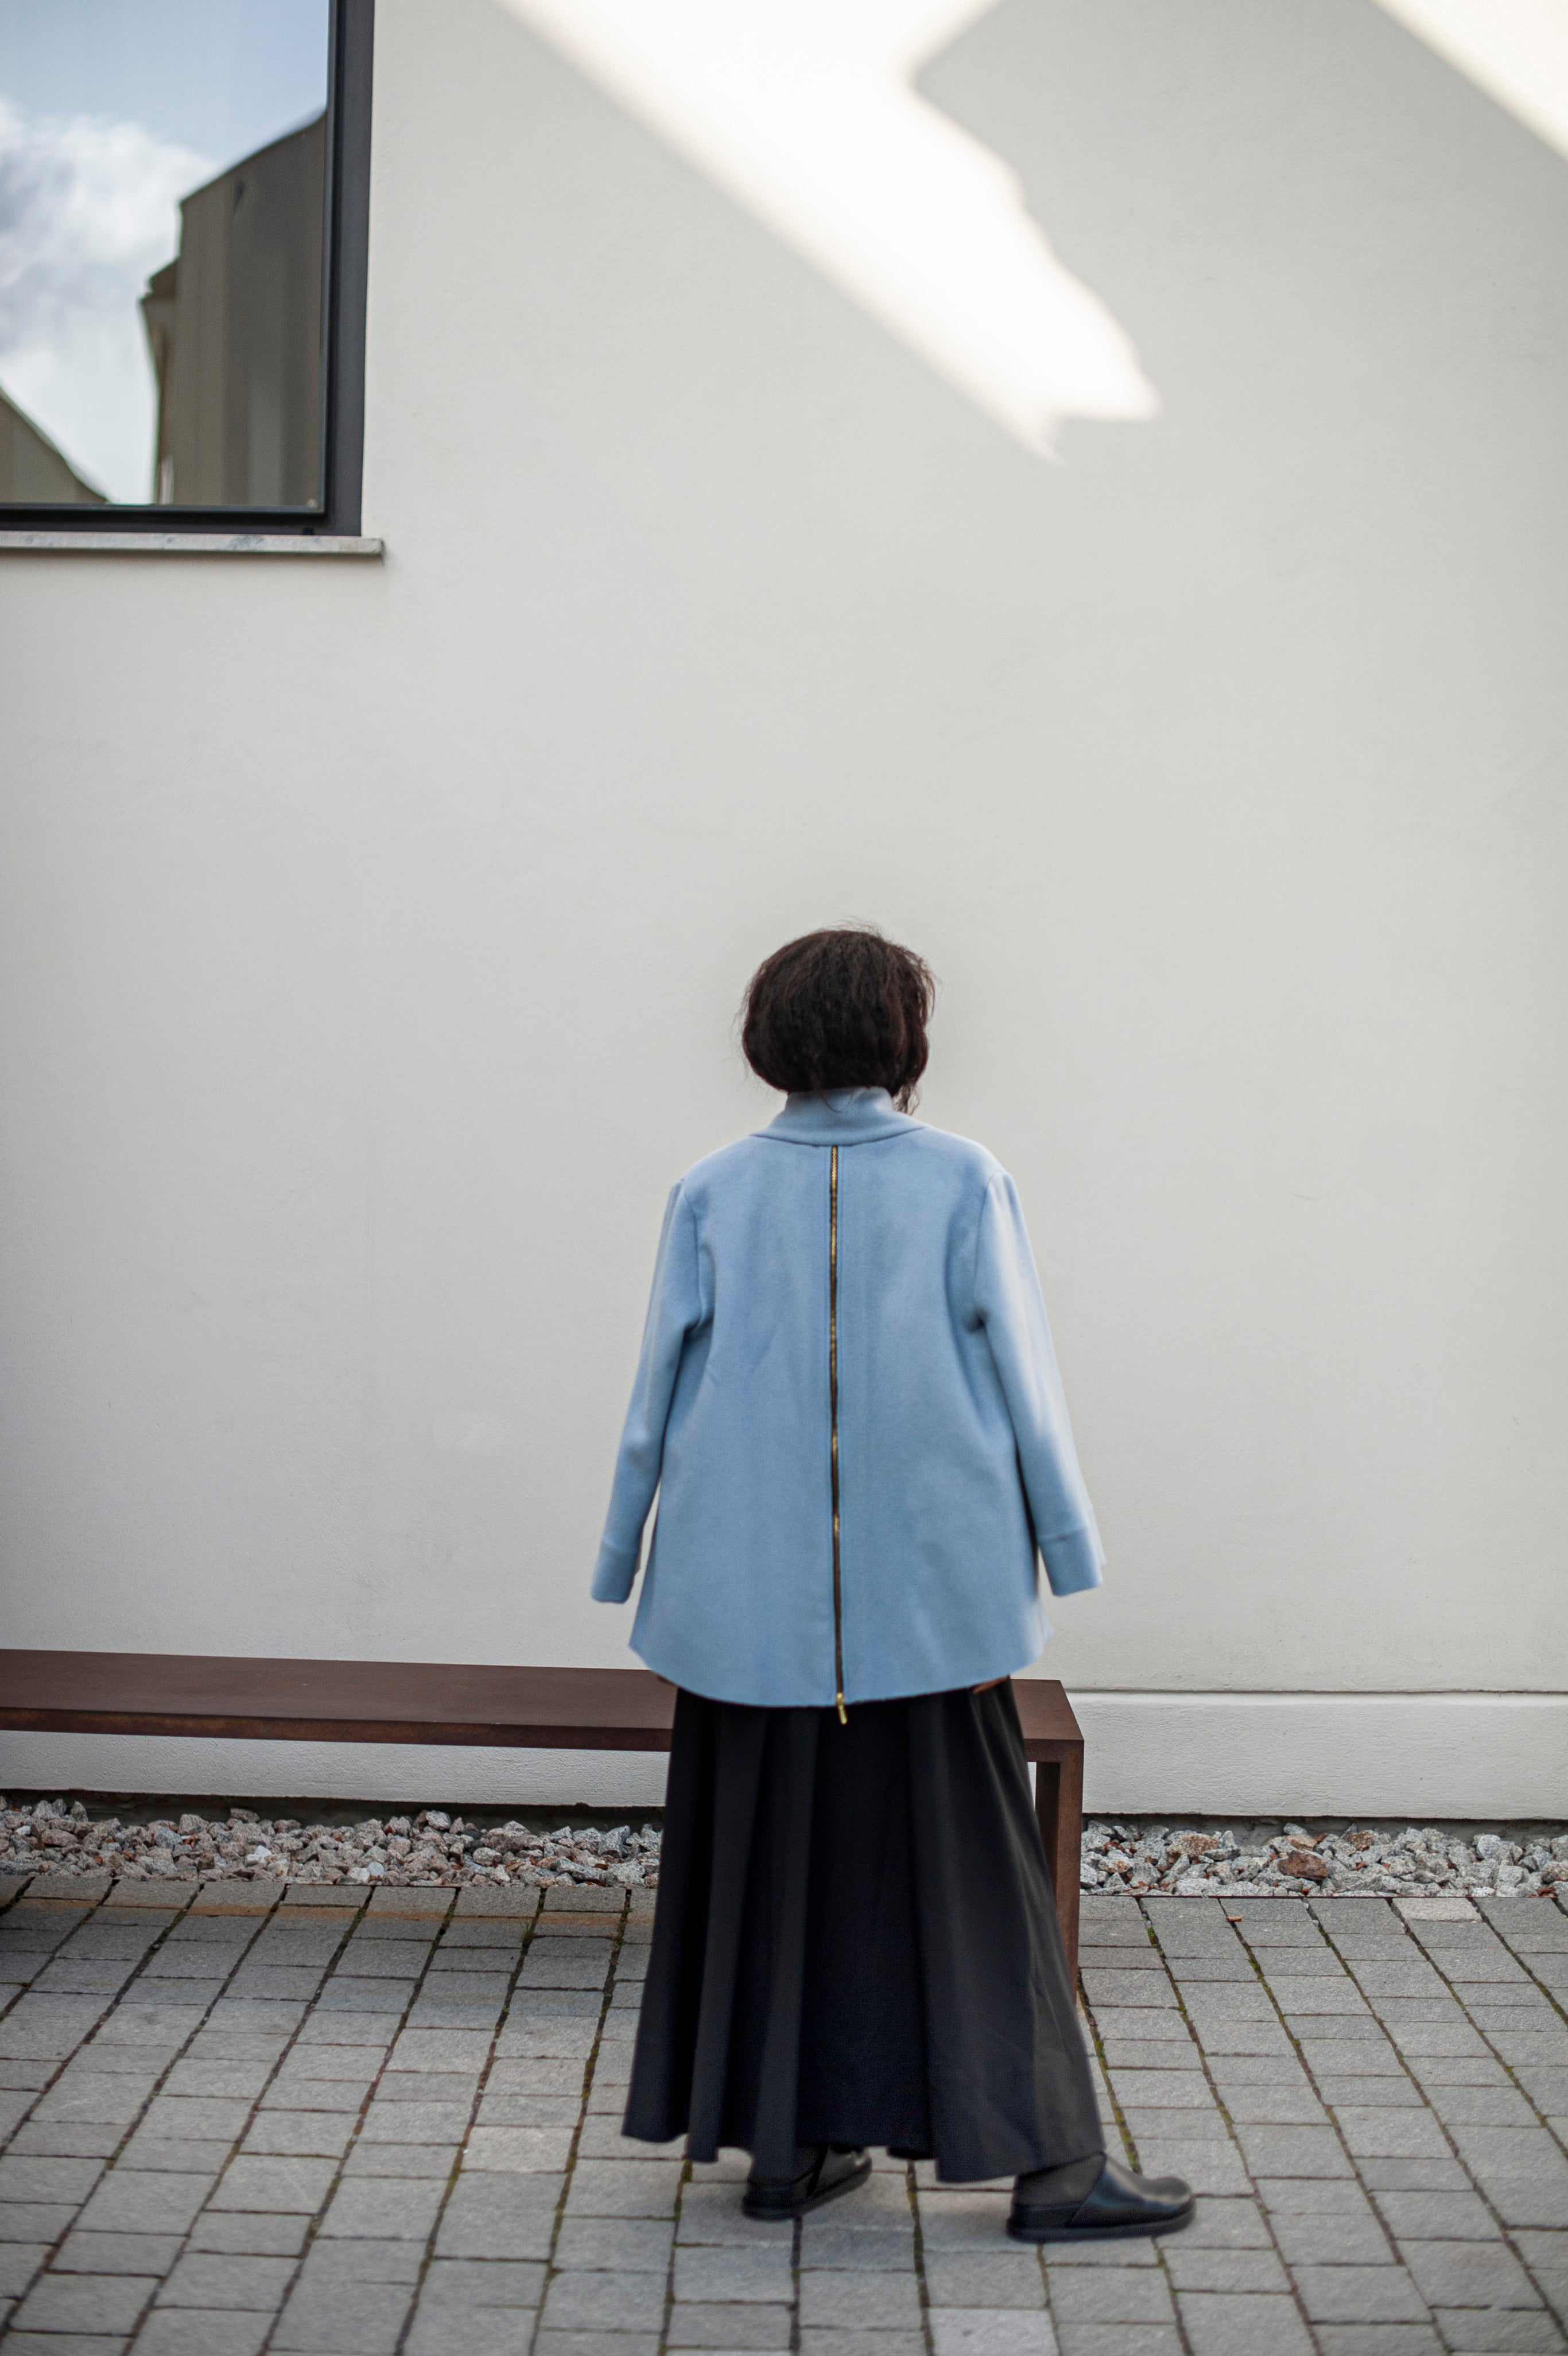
1058 1805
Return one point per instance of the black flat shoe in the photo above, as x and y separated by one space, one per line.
1116 2206
830 2173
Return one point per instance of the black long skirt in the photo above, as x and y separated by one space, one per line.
855 1942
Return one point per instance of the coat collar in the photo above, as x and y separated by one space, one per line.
839 1116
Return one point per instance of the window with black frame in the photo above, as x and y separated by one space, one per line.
183 196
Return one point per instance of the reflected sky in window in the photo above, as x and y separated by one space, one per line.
111 111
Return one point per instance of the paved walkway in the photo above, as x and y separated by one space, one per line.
390 2129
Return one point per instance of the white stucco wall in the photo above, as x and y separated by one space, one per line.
370 935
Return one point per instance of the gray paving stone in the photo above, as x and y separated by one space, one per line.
757 2270
1193 2268
1282 2106
208 2081
586 2300
1377 2134
855 2302
577 1964
188 2331
499 2110
1456 2216
430 2086
694 2324
291 2186
1088 2295
1008 2277
1468 2273
1227 2037
1379 2339
637 2245
84 2253
1225 2224
202 2120
84 2303
136 2201
522 2151
1202 2123
454 2286
1491 2106
1311 2239
1293 2151
47 2179
501 2217
1115 1988
453 1986
1163 2088
1412 2175
1519 2201
470 2332
19 2262
528 2034
362 2319
331 2097
400 2208
957 2331
207 2280
441 2049
250 2236
299 2134
1305 2196
45 2343
623 2187
361 1995
1218 2005
110 2097
395 2119
378 1958
1179 2051
1362 2092
71 2142
402 2160
1360 2295
1220 2324
173 2154
379 2259
596 2343
1137 2023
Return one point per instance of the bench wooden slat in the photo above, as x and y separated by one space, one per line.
513 1709
336 1701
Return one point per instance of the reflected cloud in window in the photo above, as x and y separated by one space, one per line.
163 207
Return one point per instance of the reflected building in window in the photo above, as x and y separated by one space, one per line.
32 468
234 326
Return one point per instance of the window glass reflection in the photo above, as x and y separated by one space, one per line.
163 180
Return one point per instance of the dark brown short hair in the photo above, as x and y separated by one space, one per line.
841 1009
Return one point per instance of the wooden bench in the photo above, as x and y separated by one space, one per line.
425 1701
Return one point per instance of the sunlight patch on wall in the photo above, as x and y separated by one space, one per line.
1516 50
804 111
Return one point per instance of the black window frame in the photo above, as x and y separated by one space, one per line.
345 260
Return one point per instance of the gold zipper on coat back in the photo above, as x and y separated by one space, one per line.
834 1415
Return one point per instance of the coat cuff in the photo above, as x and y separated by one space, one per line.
615 1572
1072 1562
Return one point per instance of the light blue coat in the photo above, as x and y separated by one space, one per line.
956 1459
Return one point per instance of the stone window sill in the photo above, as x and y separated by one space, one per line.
184 543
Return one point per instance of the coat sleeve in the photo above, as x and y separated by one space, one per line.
672 1311
1008 1300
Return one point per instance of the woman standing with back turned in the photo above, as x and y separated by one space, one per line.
848 1405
